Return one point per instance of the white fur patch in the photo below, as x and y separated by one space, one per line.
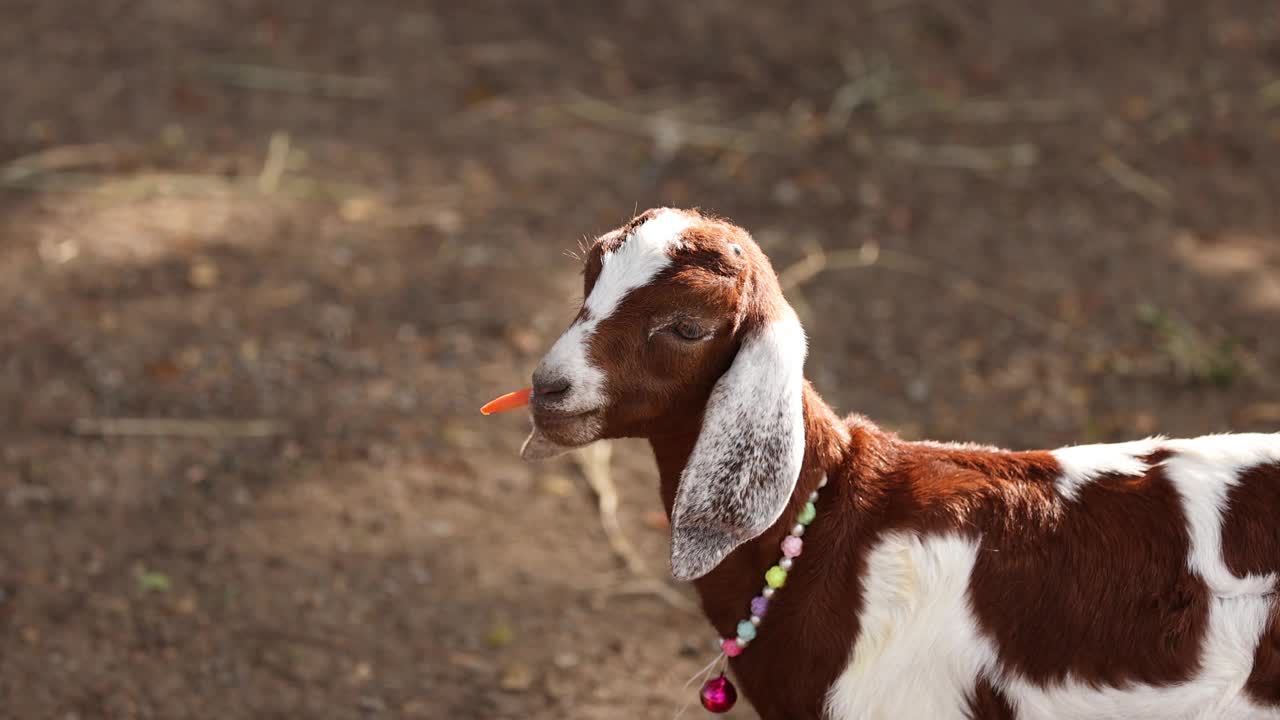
1082 464
634 264
919 652
747 459
1203 470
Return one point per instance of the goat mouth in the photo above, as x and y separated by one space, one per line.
556 433
545 417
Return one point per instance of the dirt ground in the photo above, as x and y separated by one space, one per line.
260 262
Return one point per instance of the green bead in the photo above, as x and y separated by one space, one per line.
776 577
807 514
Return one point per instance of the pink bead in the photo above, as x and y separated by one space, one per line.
731 647
792 546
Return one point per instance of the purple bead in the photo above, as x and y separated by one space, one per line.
759 605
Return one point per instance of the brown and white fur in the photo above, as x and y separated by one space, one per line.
1133 580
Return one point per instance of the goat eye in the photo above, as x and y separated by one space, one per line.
689 330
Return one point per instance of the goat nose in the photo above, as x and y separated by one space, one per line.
549 385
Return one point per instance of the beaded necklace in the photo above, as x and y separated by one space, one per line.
718 694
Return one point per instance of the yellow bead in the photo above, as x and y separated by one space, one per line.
776 577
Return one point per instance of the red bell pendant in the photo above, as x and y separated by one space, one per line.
718 694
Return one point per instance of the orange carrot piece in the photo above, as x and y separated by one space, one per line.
510 401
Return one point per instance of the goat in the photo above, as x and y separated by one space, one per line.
1133 580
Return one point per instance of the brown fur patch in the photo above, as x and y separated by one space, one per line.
988 703
1250 530
1039 588
1251 546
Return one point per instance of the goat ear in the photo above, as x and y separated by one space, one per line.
745 462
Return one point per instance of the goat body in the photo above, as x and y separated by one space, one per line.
1133 580
1109 581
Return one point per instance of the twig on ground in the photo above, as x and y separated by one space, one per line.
872 255
261 77
273 166
870 87
174 184
666 130
818 260
607 587
1129 178
668 133
593 460
987 111
170 427
965 157
104 184
63 158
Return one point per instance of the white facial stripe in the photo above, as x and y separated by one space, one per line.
640 258
568 356
634 264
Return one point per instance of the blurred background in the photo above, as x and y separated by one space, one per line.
261 262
